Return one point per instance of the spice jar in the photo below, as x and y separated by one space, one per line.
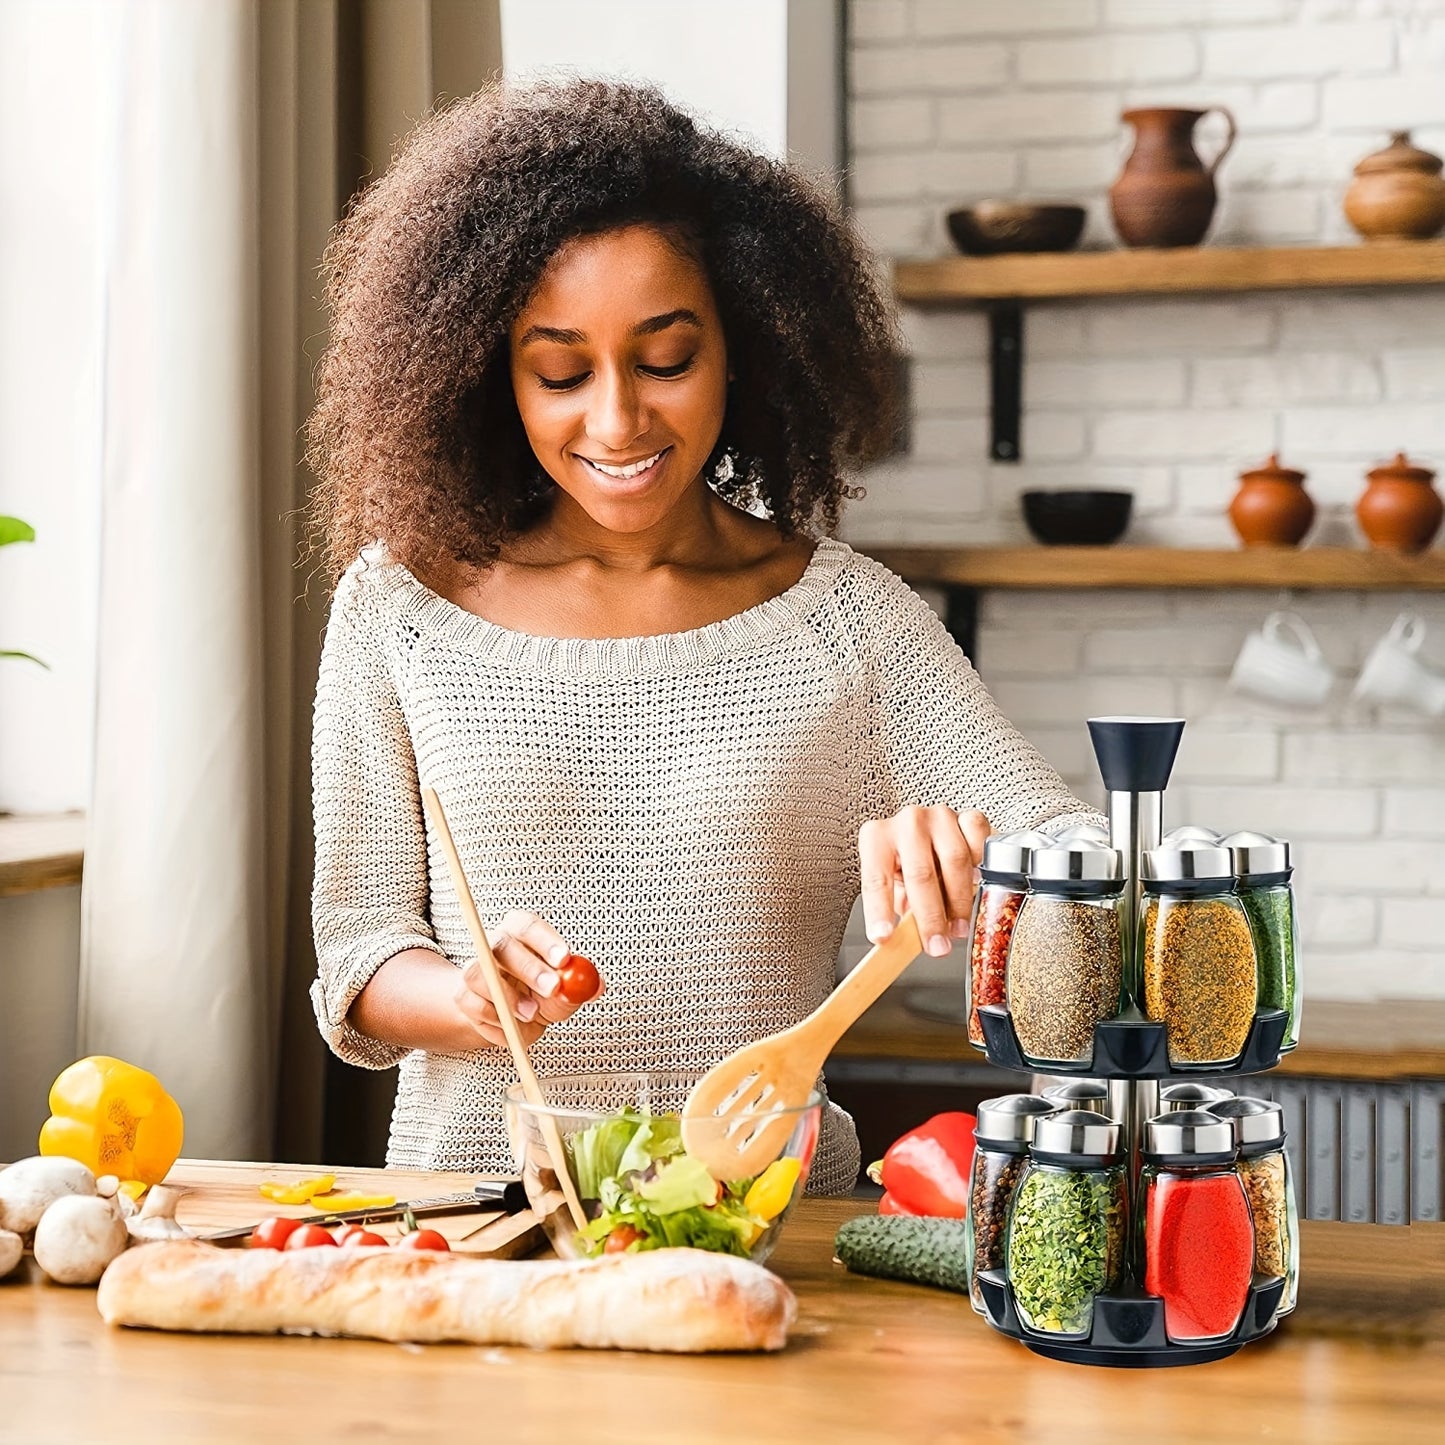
1001 1135
1199 974
1174 1098
1001 889
1262 880
1198 1238
1264 1170
1090 1094
1065 964
1067 1227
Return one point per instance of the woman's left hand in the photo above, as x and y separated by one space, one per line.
925 860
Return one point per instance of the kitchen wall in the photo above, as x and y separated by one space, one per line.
955 100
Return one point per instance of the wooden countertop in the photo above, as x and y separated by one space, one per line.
1363 1359
1388 1040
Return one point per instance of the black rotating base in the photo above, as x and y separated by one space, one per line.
1128 1329
1134 1048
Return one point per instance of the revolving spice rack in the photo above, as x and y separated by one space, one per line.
1135 756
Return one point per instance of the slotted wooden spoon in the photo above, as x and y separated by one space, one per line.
729 1121
551 1135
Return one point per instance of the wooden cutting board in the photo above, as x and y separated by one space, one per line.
223 1194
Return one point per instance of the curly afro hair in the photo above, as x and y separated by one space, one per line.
416 440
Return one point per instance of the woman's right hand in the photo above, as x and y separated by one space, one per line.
529 952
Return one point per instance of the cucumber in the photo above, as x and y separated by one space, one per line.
894 1246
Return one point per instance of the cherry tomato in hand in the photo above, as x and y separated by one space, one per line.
358 1238
273 1233
308 1236
620 1238
423 1239
579 977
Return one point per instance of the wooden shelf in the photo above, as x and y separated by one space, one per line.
1030 568
1192 269
40 851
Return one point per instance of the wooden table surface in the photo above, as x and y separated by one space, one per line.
1362 1360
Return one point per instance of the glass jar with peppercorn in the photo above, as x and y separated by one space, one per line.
1065 962
1002 1134
1068 1223
1268 1180
1198 972
1198 1236
1262 880
1002 885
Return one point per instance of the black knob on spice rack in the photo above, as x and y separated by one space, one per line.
1136 754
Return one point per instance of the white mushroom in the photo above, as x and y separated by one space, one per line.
30 1186
77 1237
157 1218
12 1249
108 1187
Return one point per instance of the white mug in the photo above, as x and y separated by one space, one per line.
1283 663
1393 672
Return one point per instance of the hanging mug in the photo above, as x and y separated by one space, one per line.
1282 662
1394 673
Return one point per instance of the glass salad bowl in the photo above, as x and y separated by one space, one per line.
621 1137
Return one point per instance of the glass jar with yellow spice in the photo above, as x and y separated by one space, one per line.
1198 972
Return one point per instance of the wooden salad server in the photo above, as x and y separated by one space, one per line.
551 1136
730 1121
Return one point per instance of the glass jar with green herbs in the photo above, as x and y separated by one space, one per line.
1262 872
1198 971
1068 1226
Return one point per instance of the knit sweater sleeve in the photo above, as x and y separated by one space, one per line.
943 738
370 897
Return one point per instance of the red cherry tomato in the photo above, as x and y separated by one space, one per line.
359 1238
620 1238
580 980
308 1236
423 1239
273 1233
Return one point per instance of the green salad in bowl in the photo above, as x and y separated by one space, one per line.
621 1137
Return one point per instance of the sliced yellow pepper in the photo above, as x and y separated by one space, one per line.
115 1119
302 1192
772 1190
341 1202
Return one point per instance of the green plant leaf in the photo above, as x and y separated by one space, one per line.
29 657
12 529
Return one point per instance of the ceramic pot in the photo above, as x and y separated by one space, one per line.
1399 510
1165 194
1398 193
1271 507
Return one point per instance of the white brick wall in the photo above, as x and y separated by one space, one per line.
955 100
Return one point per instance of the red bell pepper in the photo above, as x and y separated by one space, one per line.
927 1170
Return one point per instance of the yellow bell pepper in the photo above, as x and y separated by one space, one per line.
301 1192
773 1188
342 1202
115 1119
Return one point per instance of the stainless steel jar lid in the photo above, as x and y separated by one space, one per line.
1176 1097
1010 852
1254 1121
1081 861
1076 1132
1085 832
1189 1132
1187 833
1092 1094
1011 1118
1256 853
1188 864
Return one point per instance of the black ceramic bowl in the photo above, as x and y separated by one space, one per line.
990 228
1077 519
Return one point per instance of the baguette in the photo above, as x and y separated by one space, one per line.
675 1300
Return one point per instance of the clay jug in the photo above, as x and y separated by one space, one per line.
1271 507
1165 194
1399 510
1398 193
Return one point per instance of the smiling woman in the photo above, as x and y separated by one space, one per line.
595 378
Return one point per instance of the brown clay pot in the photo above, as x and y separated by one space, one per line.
1399 511
1165 194
1271 507
1398 193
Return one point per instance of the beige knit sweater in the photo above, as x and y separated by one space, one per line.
683 808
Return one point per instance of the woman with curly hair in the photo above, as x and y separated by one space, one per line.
595 377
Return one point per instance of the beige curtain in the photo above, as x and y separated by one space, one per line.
242 127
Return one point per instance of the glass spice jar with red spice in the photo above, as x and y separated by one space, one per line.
1002 884
1198 1234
